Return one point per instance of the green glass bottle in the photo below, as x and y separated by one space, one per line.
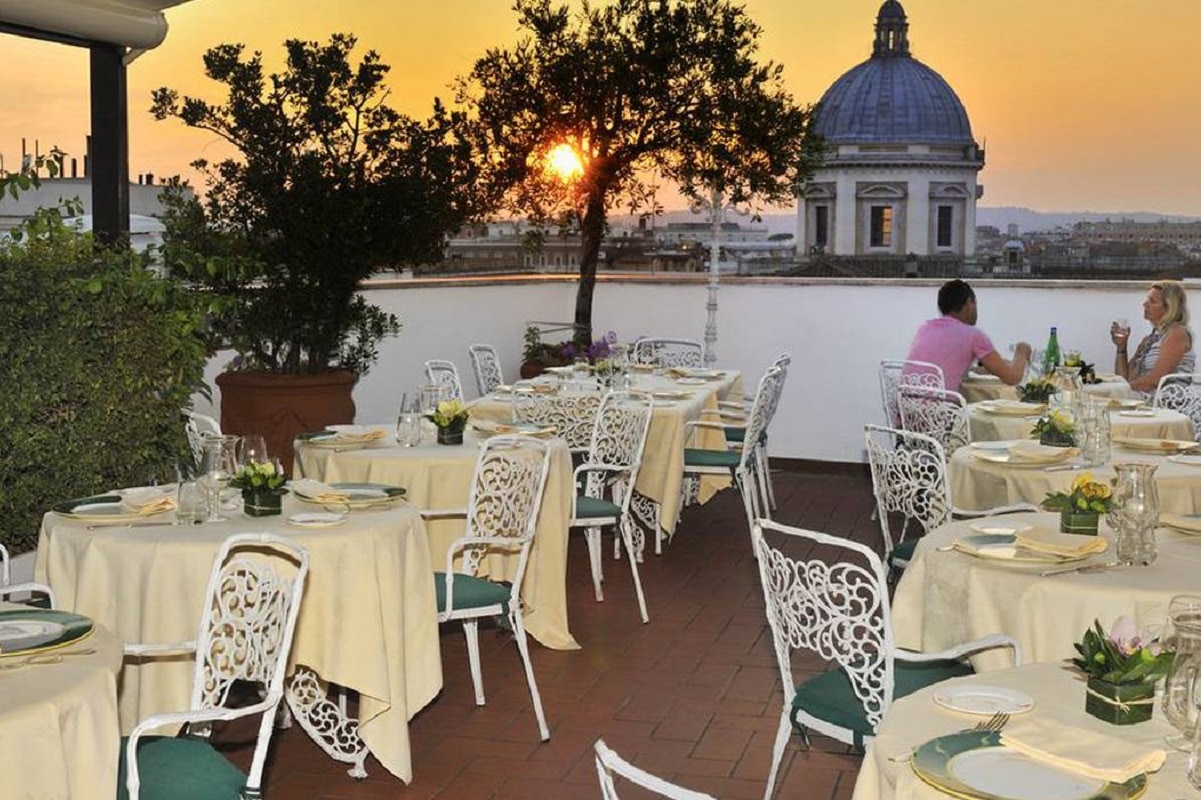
1051 358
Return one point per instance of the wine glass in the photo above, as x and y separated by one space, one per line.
254 448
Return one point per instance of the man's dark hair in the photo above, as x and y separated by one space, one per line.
953 296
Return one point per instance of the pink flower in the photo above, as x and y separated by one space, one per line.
1125 636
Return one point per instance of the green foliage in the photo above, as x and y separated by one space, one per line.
259 475
330 184
1085 495
642 91
98 354
1120 662
1037 390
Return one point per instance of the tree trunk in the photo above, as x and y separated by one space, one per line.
592 231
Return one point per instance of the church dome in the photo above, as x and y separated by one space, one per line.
892 98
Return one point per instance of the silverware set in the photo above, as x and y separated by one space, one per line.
994 723
43 658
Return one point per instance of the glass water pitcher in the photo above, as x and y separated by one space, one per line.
1135 513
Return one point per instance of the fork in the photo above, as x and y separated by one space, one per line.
994 723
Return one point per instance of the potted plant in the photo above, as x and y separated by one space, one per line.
1036 390
262 485
1081 507
1122 668
450 418
1056 429
328 185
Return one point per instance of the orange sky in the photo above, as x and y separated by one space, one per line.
1081 105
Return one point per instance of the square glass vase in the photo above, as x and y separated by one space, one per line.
261 502
1120 703
1081 522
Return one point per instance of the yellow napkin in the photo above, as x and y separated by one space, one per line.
1180 522
1035 453
1078 750
318 492
358 435
1060 544
150 500
680 372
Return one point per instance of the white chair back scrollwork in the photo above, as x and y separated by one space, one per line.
668 352
608 475
894 372
502 514
1181 391
609 764
939 413
909 478
837 608
486 365
573 414
246 630
445 373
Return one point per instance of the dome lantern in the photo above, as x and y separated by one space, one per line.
892 31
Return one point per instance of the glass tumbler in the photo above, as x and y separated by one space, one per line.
189 502
408 429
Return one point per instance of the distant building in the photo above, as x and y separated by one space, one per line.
143 199
900 176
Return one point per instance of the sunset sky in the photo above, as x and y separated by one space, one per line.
1081 105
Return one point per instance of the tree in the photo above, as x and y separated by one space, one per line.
638 88
329 184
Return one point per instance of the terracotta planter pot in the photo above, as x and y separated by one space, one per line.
531 369
281 406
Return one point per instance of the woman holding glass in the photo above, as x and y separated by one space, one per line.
1169 346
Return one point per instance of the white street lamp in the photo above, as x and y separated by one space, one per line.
717 209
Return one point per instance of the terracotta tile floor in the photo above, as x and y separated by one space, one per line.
694 696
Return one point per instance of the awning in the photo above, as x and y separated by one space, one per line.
137 24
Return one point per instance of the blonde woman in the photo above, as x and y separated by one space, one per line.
1169 346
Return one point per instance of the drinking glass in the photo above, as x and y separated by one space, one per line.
431 395
408 429
1121 327
190 502
254 448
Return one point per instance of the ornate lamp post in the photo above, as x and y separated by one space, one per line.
717 209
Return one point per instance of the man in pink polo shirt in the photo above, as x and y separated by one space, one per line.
954 343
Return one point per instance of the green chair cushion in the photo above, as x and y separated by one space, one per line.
711 458
181 768
902 553
829 696
593 507
735 434
471 592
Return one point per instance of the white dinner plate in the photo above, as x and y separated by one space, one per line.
983 700
995 447
691 381
1187 460
1000 528
1137 412
316 519
28 628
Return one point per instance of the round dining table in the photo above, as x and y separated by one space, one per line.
59 731
368 617
946 597
976 387
980 484
1057 692
988 425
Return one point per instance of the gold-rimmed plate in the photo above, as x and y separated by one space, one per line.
101 510
1154 445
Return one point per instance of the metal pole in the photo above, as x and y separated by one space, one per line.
715 210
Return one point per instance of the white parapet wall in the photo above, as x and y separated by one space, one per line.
837 330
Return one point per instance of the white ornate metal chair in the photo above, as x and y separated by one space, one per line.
40 594
604 483
245 635
1181 391
894 372
609 764
938 413
839 610
486 365
502 512
444 373
670 352
573 414
744 464
909 478
199 427
736 435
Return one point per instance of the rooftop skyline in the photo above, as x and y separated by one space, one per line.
1079 106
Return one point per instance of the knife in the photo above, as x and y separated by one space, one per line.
1064 467
117 525
1082 568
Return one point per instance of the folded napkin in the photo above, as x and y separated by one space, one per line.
1180 522
150 500
1027 450
680 372
1067 545
356 434
320 492
1079 750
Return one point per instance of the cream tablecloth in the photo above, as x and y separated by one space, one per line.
368 619
946 598
439 477
989 387
980 485
59 734
663 461
1058 695
1163 424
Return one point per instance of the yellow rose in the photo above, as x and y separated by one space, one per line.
1096 491
1082 480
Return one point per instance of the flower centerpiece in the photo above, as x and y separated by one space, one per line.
1037 390
262 485
450 417
1122 668
1080 508
1056 429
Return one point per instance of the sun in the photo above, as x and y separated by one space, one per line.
564 162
